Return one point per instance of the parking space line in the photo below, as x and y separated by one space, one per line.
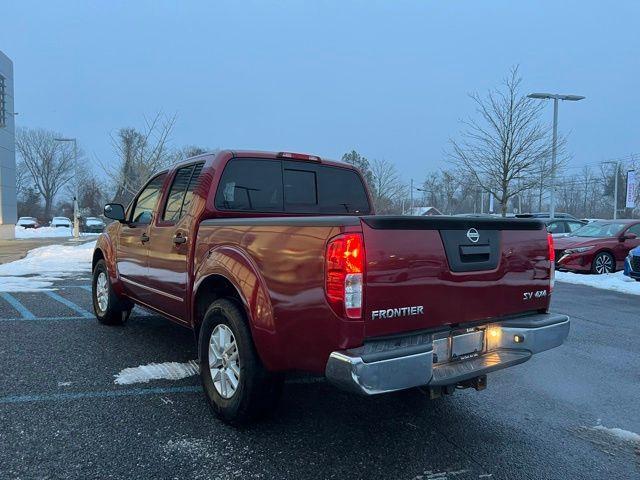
85 287
37 319
69 304
15 303
56 397
138 314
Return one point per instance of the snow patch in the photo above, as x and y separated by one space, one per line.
616 282
624 435
42 266
157 371
48 232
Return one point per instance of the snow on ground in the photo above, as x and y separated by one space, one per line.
42 266
157 371
48 232
616 282
620 434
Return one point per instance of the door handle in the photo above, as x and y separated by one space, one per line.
144 238
179 239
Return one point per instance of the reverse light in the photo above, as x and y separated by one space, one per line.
493 337
344 272
552 262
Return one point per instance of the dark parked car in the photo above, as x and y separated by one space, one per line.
599 247
93 225
545 215
632 264
28 222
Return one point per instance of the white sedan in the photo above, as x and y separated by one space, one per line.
61 222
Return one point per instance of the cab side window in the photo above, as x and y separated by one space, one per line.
146 201
634 229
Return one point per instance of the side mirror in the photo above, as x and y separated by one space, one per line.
628 236
114 211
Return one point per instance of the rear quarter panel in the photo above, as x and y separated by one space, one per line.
279 272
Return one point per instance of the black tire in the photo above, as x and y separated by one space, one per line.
603 263
258 391
117 310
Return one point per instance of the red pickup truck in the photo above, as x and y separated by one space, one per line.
277 263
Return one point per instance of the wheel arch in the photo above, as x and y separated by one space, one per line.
104 251
229 272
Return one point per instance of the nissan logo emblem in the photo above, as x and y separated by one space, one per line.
473 235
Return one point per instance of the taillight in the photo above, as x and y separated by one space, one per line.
344 272
552 262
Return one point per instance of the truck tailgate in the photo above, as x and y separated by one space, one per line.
424 273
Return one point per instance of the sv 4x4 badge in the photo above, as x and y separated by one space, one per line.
531 295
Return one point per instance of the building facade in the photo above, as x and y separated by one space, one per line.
8 201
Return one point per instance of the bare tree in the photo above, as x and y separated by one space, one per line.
385 185
50 163
361 163
140 154
194 150
23 178
504 148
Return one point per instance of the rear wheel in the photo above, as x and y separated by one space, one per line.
237 385
603 263
108 307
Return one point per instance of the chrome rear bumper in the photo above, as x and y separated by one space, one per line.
399 363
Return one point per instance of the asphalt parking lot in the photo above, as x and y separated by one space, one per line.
62 416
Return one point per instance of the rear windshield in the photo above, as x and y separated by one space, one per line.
262 185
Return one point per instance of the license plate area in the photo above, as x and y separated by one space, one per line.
458 346
467 345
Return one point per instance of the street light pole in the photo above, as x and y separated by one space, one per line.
76 213
615 188
411 198
554 147
554 153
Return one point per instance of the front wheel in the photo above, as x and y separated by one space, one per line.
603 263
109 309
238 387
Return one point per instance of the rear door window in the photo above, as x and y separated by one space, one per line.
181 192
193 184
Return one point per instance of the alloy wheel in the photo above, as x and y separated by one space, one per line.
604 264
224 361
102 292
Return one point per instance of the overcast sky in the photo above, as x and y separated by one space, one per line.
389 79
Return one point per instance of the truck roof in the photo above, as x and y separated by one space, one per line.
231 153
